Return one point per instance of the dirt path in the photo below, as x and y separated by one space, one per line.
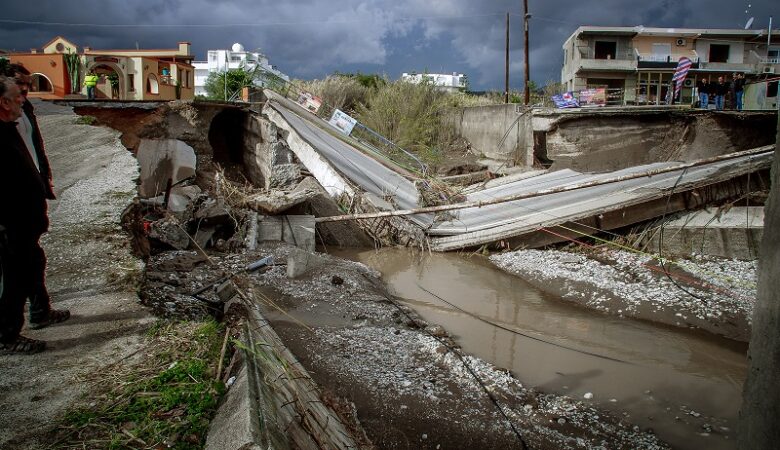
90 272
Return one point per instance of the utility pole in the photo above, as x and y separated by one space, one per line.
506 65
527 69
768 39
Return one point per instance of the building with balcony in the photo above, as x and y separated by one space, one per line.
236 58
447 82
135 74
640 62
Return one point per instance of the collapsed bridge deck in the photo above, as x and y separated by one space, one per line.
518 208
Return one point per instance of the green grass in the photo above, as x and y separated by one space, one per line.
86 120
165 400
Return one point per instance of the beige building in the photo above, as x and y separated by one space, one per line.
136 74
636 64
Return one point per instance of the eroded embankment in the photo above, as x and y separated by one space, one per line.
600 141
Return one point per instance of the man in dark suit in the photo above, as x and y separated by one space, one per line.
23 219
41 312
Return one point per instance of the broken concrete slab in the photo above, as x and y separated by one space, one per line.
168 231
203 236
733 234
296 230
235 425
182 199
162 160
340 234
212 209
275 201
299 262
269 161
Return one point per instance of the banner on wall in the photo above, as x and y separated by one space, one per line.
565 100
593 97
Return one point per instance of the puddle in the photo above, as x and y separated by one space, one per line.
684 385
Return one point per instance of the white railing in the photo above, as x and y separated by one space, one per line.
666 58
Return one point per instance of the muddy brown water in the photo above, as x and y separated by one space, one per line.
685 386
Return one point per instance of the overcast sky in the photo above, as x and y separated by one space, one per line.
313 38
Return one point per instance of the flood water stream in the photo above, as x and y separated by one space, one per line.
680 383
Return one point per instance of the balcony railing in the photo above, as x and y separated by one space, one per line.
607 64
590 53
665 58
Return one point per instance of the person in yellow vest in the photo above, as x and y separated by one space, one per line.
90 81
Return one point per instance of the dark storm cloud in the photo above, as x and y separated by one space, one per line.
313 38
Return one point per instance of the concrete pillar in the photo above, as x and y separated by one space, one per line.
760 412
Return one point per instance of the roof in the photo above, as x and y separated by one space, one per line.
59 37
683 32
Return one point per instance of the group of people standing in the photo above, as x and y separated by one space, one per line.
718 91
25 187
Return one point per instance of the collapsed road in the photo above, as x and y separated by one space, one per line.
391 371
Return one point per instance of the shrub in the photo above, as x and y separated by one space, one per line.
411 115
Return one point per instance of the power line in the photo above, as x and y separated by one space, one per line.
240 24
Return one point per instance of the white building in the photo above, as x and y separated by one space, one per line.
235 58
450 82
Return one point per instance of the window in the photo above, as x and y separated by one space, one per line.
131 82
235 58
773 56
60 47
719 53
212 56
771 89
605 50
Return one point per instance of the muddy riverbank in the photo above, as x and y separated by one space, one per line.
411 384
683 384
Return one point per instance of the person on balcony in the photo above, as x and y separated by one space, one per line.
703 87
721 89
738 86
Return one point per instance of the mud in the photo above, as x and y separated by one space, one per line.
683 384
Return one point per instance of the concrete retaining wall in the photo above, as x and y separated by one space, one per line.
732 234
485 126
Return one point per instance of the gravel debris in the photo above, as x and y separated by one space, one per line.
626 284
